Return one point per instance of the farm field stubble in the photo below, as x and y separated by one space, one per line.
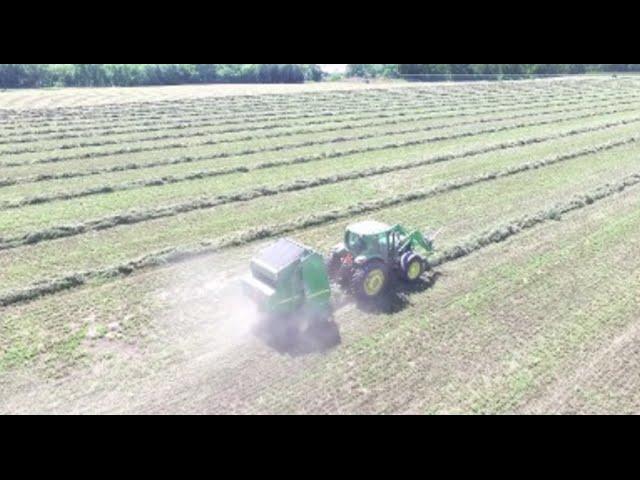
528 324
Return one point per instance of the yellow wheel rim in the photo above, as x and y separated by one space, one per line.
415 269
374 282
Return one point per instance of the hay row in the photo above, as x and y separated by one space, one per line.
311 143
281 163
252 118
303 99
175 255
257 103
132 218
235 119
247 114
212 101
105 189
431 90
526 222
393 119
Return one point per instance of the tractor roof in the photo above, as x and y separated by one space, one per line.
281 254
369 227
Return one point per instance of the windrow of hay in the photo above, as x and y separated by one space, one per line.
237 123
178 254
310 143
294 161
510 229
392 120
404 115
153 182
222 104
269 99
249 116
215 104
206 203
231 110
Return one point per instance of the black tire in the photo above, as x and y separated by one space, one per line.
412 266
364 286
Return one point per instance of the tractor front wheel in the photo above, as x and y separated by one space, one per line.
370 281
413 266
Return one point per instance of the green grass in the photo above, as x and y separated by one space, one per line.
462 212
42 216
208 128
172 115
506 329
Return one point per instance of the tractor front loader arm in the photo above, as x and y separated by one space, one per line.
416 239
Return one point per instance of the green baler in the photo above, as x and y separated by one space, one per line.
286 277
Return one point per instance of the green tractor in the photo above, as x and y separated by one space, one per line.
374 255
287 277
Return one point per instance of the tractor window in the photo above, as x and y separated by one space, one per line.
383 241
355 243
396 240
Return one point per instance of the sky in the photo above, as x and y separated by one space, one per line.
334 67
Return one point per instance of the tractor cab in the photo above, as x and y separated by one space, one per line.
369 239
373 239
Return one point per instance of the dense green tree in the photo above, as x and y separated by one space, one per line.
46 75
206 72
312 72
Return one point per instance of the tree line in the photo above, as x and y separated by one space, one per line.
25 75
464 71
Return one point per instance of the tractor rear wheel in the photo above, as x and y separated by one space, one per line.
412 266
370 281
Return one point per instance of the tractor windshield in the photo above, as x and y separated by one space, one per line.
354 243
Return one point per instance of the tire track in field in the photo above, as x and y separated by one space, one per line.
562 389
309 143
394 120
500 234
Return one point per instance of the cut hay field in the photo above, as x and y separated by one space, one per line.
127 217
